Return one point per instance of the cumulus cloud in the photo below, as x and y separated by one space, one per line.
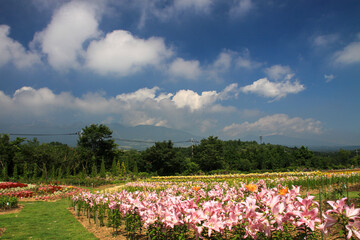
223 62
63 39
349 55
276 90
244 61
13 52
241 8
186 69
143 106
279 72
122 53
277 124
193 100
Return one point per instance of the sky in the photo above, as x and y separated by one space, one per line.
231 69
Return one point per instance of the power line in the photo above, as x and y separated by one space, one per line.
148 141
43 134
192 141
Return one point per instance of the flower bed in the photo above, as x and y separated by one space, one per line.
38 192
6 185
218 211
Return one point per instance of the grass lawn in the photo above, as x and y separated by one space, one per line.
43 220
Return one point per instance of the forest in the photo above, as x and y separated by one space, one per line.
96 155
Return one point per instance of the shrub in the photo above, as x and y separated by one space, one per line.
7 202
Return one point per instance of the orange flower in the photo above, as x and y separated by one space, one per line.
251 187
196 188
283 191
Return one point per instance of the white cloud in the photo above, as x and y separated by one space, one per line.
279 72
185 69
241 8
223 62
143 106
349 55
63 39
193 100
329 78
244 61
277 124
276 90
122 53
13 52
325 40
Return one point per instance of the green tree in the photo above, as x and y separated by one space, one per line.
26 172
123 168
68 172
135 169
102 169
163 158
60 173
113 167
94 170
5 175
15 172
8 151
189 167
52 173
98 140
118 169
44 172
209 154
35 171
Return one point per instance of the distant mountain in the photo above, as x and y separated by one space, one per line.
138 137
143 136
312 144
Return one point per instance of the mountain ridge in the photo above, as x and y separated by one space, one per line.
143 136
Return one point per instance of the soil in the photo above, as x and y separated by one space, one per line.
2 230
11 210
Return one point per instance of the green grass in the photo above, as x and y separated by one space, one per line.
43 220
352 195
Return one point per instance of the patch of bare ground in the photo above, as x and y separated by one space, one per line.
2 230
11 210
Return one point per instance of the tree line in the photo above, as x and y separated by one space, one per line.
97 155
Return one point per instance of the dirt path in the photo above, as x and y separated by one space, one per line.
11 210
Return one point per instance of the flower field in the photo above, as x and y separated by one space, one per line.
36 192
227 208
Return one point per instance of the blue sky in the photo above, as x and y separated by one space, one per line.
210 67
